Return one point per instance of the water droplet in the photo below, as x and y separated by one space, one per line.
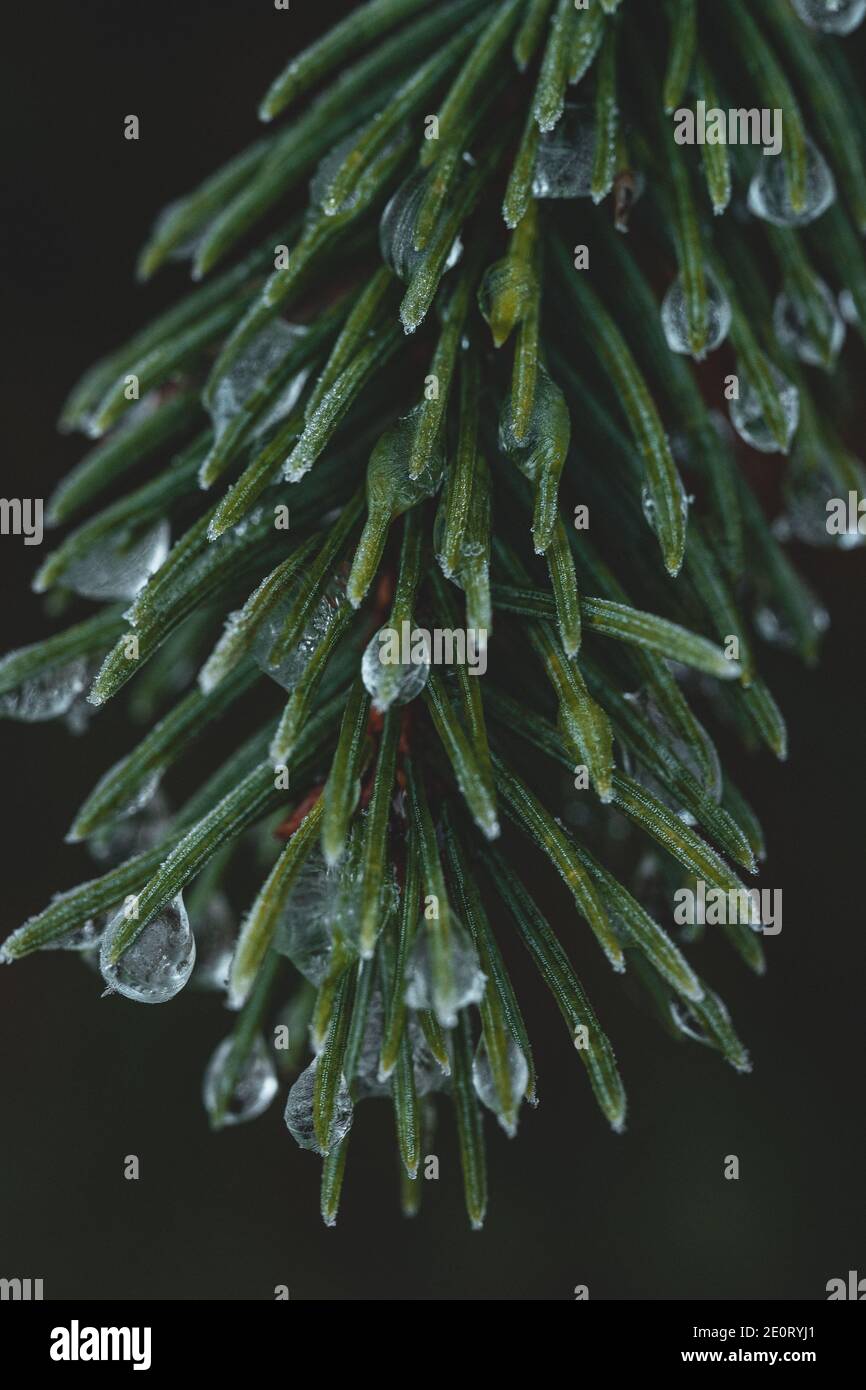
388 481
668 738
158 963
805 492
485 1087
46 695
769 196
366 1080
648 505
397 229
564 160
547 406
133 829
815 344
468 979
84 938
775 627
429 1075
254 1088
119 566
319 905
299 1112
387 679
261 357
831 16
215 938
505 292
674 316
293 666
847 307
747 414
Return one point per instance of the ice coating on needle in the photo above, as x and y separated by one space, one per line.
299 1112
796 331
675 320
254 1086
683 751
397 229
467 976
158 963
118 566
216 932
261 357
292 667
46 695
564 160
770 197
807 489
391 682
485 1086
747 413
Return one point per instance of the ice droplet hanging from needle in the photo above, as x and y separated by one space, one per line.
158 963
255 1084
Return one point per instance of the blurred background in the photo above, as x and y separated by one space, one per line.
83 1083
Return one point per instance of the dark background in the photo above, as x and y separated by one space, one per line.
83 1082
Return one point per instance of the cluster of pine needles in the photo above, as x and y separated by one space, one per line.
449 412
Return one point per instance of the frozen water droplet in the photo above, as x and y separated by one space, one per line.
674 316
254 1088
523 452
775 627
747 415
805 493
468 979
668 737
290 670
299 1112
261 357
366 1080
387 679
769 196
158 963
215 938
397 229
429 1075
648 506
84 938
485 1086
563 162
831 16
46 695
388 483
315 907
132 830
321 181
815 344
847 307
119 566
503 295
